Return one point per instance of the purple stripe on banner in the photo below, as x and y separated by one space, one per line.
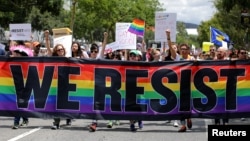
84 109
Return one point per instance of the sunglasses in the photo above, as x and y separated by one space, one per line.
94 51
243 53
60 49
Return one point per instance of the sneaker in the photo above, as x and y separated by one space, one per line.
68 121
189 123
140 124
132 127
176 123
24 123
55 126
92 127
15 126
117 122
183 129
110 124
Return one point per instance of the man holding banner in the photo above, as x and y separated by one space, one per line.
97 54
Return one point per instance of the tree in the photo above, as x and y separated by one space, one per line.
227 19
17 11
97 16
228 5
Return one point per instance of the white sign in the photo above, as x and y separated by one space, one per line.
20 32
111 47
123 37
164 21
66 41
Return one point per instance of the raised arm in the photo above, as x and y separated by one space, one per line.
163 54
143 46
47 42
172 51
104 43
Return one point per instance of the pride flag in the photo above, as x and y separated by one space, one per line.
137 27
218 37
48 87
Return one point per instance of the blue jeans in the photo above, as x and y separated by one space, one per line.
17 119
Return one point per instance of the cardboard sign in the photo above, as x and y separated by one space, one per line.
20 32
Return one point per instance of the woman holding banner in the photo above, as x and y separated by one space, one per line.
19 51
59 51
95 53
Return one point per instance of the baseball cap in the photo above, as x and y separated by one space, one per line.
134 52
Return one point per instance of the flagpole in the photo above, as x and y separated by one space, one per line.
143 42
210 35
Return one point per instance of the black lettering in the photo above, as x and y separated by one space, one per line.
40 92
185 90
64 87
17 30
101 90
132 91
32 83
210 94
167 93
231 75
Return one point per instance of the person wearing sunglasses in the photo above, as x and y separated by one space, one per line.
94 51
242 54
96 54
212 51
57 51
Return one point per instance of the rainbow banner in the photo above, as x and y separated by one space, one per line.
46 87
137 27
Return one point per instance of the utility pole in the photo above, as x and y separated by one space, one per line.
73 10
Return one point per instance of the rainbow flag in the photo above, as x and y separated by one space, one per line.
137 27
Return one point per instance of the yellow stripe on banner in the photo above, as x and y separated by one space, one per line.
83 84
6 81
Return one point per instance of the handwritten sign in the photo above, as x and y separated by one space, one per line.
20 31
123 37
111 47
164 21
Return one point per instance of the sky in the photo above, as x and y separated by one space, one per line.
190 11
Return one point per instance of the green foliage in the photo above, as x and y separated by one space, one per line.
227 19
89 19
41 21
18 11
93 17
228 5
